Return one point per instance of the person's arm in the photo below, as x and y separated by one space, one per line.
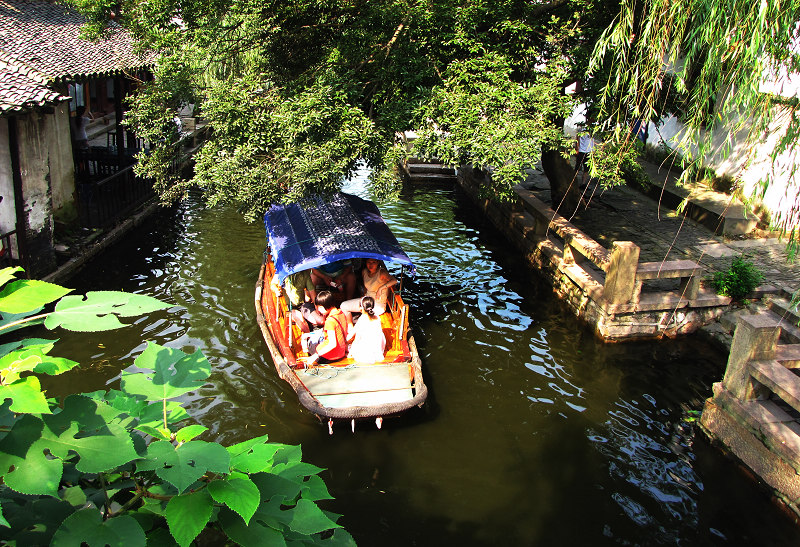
309 290
326 279
343 273
387 281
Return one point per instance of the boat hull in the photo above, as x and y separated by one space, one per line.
286 364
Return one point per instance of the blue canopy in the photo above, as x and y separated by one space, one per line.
316 231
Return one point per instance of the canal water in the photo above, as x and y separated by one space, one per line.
534 432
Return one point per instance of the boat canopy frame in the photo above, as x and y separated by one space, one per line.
317 230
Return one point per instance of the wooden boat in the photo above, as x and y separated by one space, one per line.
310 234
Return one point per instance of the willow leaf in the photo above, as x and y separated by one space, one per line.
99 310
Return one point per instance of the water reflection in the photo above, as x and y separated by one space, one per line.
534 433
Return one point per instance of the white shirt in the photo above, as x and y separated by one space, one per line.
585 143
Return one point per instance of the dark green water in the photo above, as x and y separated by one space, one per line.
534 432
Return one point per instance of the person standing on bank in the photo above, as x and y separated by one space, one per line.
584 145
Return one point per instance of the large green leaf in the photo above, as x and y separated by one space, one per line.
237 492
188 514
33 522
33 357
25 295
189 432
9 322
181 466
10 346
22 449
87 428
273 487
7 274
314 489
309 519
245 446
256 534
98 310
258 458
87 526
294 470
173 373
26 396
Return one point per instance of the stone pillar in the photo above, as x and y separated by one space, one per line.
620 285
754 340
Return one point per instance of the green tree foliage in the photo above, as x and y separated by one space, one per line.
296 93
124 467
705 61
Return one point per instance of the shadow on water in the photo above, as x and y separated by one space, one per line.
535 433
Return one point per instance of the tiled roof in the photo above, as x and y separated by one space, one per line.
23 88
42 38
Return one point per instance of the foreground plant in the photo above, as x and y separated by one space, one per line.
124 467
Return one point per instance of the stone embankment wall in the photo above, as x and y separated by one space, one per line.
608 288
754 411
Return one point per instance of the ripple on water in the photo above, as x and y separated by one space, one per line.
534 433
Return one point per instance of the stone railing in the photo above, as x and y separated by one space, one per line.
754 411
614 278
609 288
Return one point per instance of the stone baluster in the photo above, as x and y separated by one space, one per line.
620 286
754 340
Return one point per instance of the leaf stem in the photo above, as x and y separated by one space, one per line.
24 320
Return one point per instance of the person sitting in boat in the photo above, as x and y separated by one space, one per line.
377 282
337 275
331 345
367 339
300 293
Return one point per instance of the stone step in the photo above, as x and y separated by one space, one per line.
788 355
430 177
718 212
790 333
415 168
778 379
783 308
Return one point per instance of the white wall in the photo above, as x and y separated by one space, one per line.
62 168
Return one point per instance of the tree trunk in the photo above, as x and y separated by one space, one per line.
564 187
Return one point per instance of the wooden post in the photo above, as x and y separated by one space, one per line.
754 340
620 285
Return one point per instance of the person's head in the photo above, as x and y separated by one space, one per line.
372 265
325 301
368 305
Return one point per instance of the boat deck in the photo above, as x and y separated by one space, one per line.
358 385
